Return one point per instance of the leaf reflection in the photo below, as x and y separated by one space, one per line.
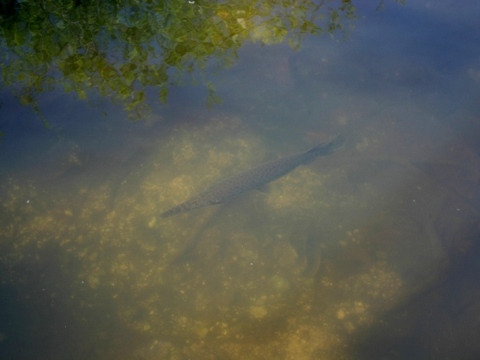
120 48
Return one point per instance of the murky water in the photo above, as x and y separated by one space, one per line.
371 252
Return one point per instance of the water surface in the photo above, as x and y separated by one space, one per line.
371 252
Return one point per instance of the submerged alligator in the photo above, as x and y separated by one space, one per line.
226 189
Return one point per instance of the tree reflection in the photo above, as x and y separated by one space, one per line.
122 47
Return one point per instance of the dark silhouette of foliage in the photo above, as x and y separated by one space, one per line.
122 47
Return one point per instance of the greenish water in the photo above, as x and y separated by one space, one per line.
345 258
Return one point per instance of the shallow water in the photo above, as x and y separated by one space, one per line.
371 252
